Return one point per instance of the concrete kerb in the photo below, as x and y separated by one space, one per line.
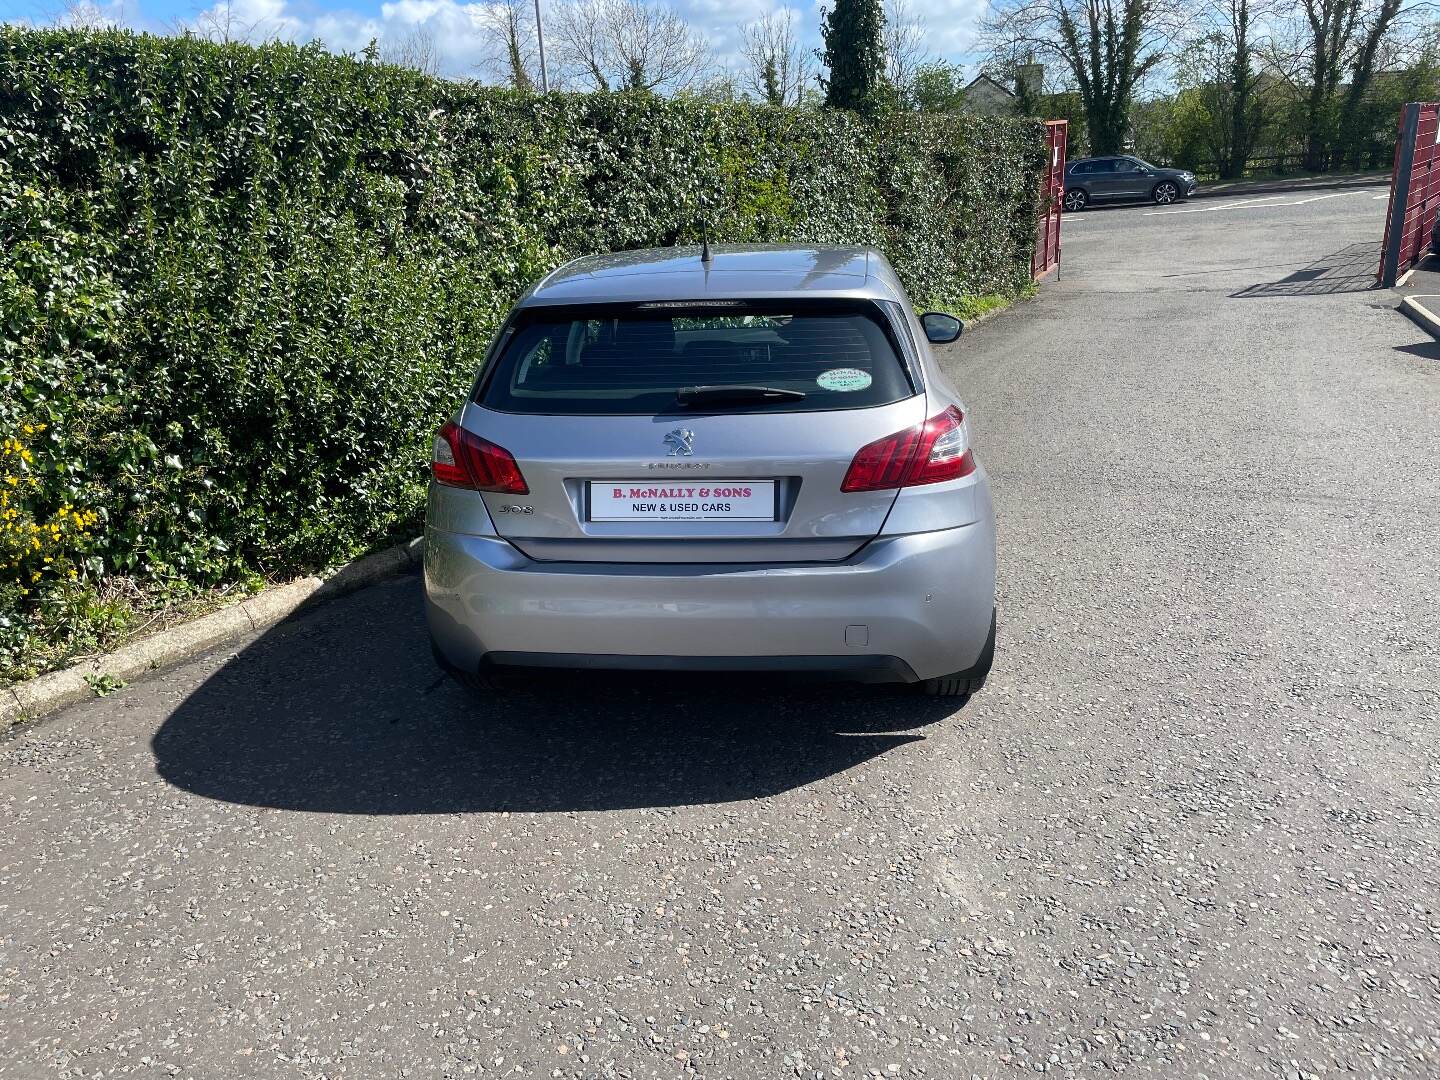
1422 313
57 689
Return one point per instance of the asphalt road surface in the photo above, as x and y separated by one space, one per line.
1189 829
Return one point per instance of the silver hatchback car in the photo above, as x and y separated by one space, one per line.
738 459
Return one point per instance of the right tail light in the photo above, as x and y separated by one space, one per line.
928 453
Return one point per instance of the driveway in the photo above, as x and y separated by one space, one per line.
1187 830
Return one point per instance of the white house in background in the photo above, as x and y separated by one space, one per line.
985 95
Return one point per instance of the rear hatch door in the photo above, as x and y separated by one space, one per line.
669 433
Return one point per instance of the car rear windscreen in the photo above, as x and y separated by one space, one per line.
634 361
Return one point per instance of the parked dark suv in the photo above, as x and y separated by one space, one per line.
1107 179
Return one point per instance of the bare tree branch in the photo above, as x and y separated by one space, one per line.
779 67
628 44
415 49
514 58
86 15
1108 47
904 39
222 23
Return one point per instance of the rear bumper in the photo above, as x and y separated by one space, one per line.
903 607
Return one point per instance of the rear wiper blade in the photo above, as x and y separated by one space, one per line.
722 395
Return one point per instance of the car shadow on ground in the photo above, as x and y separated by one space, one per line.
1351 269
343 711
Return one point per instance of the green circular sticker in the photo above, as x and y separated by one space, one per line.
843 379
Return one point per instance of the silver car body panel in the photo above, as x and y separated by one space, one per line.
912 567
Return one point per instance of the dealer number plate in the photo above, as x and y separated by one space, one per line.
716 500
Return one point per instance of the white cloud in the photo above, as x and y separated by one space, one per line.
950 25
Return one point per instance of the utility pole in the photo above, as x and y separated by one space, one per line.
540 35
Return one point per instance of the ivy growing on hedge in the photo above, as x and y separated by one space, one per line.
240 287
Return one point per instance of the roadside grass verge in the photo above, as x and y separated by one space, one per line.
974 307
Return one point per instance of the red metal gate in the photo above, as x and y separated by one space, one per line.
1414 191
1052 191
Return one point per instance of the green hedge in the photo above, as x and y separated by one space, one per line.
240 287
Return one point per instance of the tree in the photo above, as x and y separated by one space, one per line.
509 29
628 45
1376 24
905 50
777 68
1245 110
415 49
1107 46
1180 129
938 86
1217 76
1410 73
1066 105
718 87
88 15
1331 23
1338 36
854 54
223 23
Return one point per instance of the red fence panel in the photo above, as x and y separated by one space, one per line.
1414 191
1052 189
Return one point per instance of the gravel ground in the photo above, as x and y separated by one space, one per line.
1187 830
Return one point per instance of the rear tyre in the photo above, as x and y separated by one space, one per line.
1165 193
1075 200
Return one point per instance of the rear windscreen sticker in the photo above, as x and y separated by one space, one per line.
843 379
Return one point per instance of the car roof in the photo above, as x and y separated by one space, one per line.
735 271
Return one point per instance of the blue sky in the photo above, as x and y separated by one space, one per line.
350 24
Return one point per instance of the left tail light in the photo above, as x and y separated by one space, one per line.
463 459
928 453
